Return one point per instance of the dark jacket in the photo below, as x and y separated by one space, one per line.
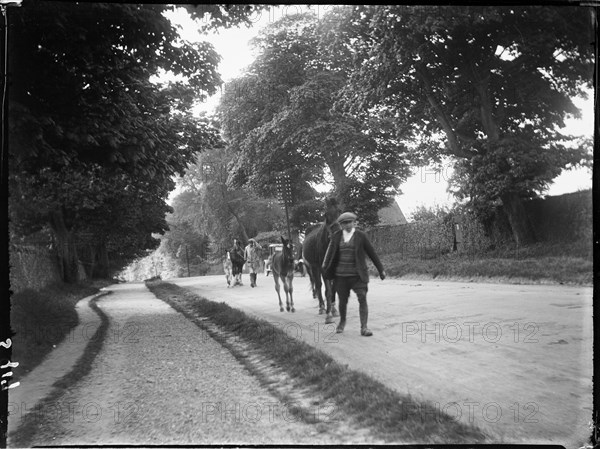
363 248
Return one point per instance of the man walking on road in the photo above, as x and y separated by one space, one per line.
345 262
253 259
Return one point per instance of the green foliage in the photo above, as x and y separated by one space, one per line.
552 266
487 85
280 118
209 213
94 142
184 243
215 16
513 165
424 213
566 218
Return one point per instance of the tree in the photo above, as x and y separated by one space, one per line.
489 86
216 16
423 213
94 143
210 206
279 118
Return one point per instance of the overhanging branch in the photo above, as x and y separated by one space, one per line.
455 147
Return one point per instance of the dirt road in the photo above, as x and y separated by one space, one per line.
158 380
515 360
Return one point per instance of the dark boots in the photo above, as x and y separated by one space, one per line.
363 311
343 307
252 279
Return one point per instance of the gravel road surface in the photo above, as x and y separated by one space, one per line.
516 360
159 379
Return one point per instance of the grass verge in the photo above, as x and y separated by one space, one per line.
392 416
31 423
42 319
525 266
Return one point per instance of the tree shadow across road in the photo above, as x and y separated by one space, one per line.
389 415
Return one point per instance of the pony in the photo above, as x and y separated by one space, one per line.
237 262
282 266
227 267
313 253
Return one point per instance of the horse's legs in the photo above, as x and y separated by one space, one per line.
316 273
330 295
276 279
288 287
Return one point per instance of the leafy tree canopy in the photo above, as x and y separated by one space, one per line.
279 118
488 85
209 206
90 134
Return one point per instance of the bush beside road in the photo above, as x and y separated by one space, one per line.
538 264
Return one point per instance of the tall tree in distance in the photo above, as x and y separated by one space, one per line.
213 207
279 118
490 86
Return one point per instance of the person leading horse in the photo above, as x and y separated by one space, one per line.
237 261
313 253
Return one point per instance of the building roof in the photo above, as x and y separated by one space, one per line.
391 215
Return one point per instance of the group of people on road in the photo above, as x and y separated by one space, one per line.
344 263
251 258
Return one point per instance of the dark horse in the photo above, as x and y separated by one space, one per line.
282 266
237 262
313 253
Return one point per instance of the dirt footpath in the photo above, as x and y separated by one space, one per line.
516 360
159 379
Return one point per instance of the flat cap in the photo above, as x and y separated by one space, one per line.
346 216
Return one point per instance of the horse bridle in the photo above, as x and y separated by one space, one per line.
331 230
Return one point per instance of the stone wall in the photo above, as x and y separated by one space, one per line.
32 266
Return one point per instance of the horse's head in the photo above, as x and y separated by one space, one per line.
332 209
332 228
332 212
288 248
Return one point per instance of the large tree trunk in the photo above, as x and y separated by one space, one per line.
89 262
233 212
67 251
520 224
340 180
102 268
242 227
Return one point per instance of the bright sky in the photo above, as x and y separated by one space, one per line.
425 187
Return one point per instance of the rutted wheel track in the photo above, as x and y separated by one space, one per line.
306 403
368 410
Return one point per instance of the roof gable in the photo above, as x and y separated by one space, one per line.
391 215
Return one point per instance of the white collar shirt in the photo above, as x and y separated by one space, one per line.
348 235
